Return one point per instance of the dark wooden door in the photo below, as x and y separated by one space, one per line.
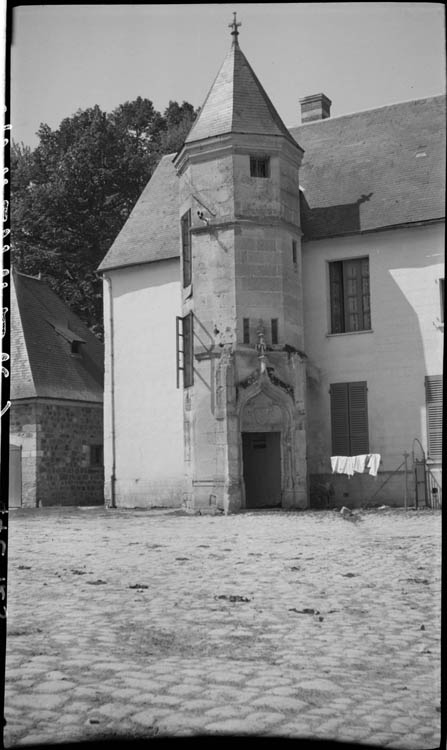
262 469
15 476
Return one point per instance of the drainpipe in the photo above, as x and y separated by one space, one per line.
112 394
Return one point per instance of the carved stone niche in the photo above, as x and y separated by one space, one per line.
261 414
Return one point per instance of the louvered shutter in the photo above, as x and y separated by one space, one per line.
433 397
186 248
188 350
337 310
340 419
358 418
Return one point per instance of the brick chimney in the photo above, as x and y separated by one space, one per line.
315 107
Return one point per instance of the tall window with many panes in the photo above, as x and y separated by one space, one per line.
349 295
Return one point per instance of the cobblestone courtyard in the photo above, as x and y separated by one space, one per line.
144 623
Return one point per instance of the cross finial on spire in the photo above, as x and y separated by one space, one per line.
234 26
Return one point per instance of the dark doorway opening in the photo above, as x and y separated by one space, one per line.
261 453
15 476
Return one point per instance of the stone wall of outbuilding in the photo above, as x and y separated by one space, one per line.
61 452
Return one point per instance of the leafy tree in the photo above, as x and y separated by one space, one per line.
72 194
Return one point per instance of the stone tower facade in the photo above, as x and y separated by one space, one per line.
242 319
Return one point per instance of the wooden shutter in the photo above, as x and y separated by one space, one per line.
433 398
349 419
352 295
188 351
366 309
185 350
186 248
336 284
358 419
340 419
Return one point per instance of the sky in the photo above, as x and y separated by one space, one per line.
361 55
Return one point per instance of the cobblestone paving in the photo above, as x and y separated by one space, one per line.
136 624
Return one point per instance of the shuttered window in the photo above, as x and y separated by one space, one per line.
349 419
433 399
186 248
349 293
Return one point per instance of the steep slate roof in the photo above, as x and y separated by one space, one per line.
237 103
361 172
152 230
42 328
374 169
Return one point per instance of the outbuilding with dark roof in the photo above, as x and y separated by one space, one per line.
56 416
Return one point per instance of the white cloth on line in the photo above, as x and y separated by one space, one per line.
350 464
342 465
373 463
359 463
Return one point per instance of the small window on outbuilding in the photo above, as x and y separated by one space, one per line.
76 347
259 166
96 455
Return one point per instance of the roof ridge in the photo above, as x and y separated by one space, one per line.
372 109
34 295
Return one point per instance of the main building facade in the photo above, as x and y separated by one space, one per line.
275 299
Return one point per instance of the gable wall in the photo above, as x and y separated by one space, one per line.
143 408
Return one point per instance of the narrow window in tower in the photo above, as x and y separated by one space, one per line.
186 248
274 330
246 323
294 253
259 166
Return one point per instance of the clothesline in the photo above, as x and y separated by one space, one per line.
350 464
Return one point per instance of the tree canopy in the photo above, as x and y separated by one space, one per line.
71 195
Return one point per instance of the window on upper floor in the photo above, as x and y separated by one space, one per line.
259 166
349 419
433 400
186 248
349 295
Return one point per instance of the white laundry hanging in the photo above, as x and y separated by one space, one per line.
350 464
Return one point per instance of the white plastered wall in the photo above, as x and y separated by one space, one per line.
404 346
143 407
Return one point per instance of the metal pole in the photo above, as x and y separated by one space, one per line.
406 481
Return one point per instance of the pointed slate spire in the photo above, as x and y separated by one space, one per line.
237 102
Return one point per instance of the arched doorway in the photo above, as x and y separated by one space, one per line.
266 450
